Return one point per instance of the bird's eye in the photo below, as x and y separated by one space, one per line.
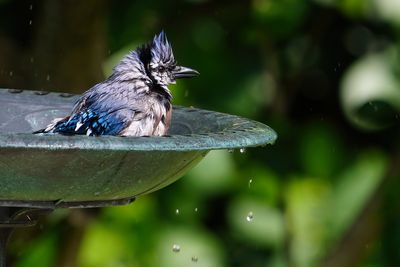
161 69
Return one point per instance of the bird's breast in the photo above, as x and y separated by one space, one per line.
161 112
153 119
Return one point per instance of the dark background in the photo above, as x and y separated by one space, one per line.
323 74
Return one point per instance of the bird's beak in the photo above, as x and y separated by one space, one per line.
183 72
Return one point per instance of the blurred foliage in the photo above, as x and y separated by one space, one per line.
370 90
324 74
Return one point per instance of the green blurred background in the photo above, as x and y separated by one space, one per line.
324 74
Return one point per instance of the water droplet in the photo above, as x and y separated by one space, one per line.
242 150
30 7
48 77
250 181
196 209
11 73
176 248
195 259
30 22
250 216
177 211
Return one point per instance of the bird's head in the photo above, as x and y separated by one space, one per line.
162 66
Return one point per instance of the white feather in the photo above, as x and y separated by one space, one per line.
50 127
78 125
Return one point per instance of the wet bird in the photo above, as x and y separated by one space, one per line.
133 101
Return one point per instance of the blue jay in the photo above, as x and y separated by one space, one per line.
133 101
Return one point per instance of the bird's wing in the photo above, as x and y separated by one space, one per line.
95 122
96 112
107 110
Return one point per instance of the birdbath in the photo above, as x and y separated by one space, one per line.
40 173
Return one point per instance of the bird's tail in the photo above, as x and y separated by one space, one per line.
39 131
51 128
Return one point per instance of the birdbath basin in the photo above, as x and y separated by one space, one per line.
39 173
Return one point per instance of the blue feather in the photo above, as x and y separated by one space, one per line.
91 123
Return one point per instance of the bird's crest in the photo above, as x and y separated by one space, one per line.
161 50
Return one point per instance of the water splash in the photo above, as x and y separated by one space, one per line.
177 211
176 248
242 150
250 182
250 216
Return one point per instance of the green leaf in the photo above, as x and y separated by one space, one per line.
355 187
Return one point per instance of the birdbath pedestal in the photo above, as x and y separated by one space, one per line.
40 173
